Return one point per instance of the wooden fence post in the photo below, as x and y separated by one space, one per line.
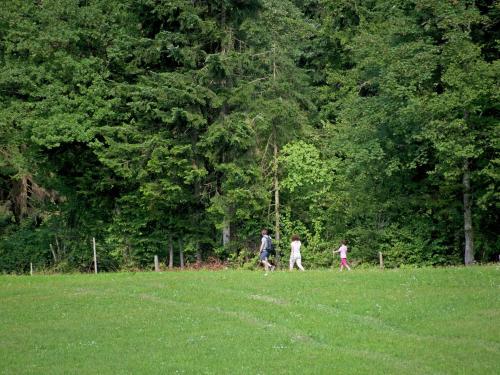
157 264
95 255
381 259
199 255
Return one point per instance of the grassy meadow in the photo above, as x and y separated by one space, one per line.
407 321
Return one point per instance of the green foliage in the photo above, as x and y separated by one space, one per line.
23 246
402 111
134 121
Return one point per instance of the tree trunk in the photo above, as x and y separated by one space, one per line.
181 254
276 179
274 61
468 231
226 47
19 194
170 252
226 232
226 225
199 256
276 203
53 253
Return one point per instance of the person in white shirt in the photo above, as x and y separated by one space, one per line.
343 255
295 253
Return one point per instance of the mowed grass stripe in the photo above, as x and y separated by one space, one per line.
439 321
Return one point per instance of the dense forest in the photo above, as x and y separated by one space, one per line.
160 125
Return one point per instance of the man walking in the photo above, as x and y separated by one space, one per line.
266 245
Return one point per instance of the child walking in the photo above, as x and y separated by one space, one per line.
343 255
295 256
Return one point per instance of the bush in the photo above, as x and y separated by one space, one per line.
20 246
407 245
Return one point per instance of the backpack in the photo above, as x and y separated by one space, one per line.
269 245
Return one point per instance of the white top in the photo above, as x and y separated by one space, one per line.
343 251
263 242
296 249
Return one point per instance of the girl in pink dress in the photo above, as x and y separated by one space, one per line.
343 255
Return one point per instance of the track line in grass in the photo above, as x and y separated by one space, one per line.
379 324
242 316
359 323
403 365
370 321
276 301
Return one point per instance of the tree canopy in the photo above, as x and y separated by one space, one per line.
141 121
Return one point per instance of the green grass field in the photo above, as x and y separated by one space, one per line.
419 321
